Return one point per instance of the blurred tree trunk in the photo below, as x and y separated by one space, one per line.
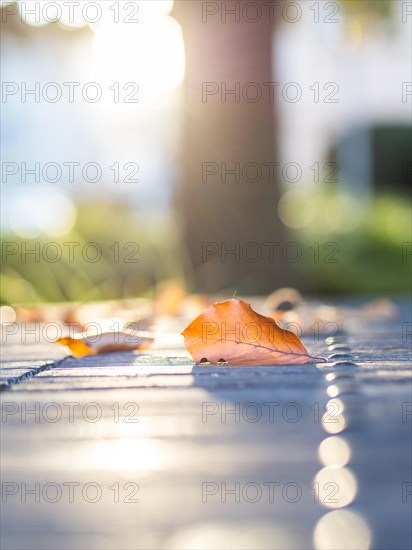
229 215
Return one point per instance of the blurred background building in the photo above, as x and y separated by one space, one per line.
100 134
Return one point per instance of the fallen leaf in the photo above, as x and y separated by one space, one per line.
106 342
380 309
169 300
231 331
283 299
29 315
71 319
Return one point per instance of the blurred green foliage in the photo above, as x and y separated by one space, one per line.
367 8
135 257
363 244
360 249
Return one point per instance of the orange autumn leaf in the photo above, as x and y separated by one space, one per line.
105 342
169 300
231 331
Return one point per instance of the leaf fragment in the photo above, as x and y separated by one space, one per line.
106 342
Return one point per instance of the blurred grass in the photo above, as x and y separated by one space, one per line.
363 238
367 237
136 257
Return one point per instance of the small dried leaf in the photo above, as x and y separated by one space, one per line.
169 300
106 342
231 331
283 299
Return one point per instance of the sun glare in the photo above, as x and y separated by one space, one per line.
133 43
152 55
